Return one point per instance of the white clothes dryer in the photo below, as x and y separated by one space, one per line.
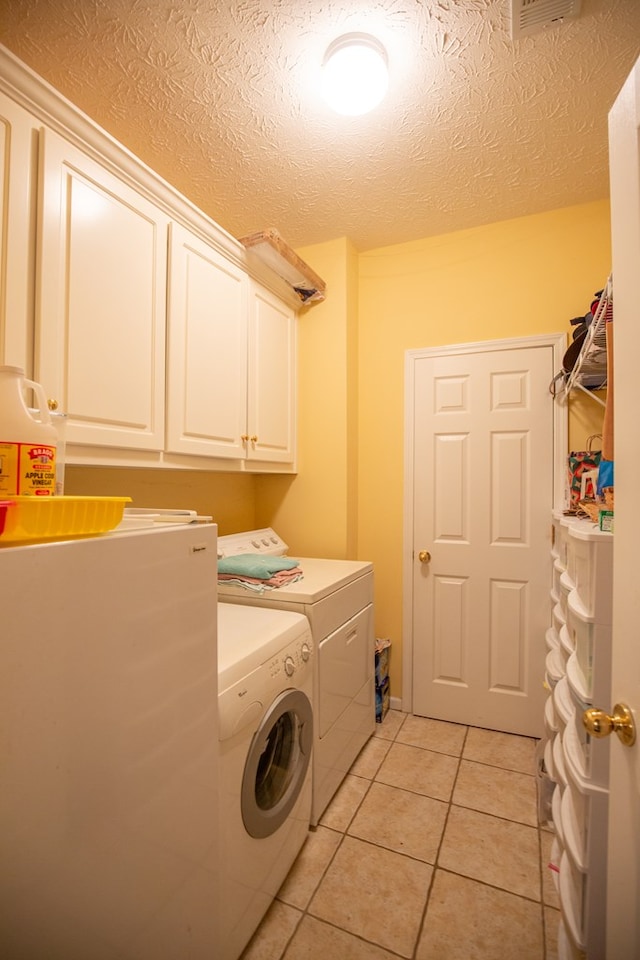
265 691
337 598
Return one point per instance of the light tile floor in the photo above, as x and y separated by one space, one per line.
430 849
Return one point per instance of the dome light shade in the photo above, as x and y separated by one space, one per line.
354 74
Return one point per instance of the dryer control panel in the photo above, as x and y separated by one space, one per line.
265 541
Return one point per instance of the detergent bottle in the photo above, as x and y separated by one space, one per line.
28 439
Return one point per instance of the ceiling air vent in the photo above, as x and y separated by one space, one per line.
532 16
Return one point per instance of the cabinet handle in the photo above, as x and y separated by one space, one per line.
254 438
244 437
52 404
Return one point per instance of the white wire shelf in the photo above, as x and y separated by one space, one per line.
589 372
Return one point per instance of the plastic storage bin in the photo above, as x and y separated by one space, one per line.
590 560
563 539
583 756
563 703
4 506
566 586
572 896
592 644
554 667
545 787
59 518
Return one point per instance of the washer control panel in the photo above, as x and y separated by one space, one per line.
294 658
241 704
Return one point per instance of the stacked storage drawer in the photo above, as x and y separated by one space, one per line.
551 773
581 766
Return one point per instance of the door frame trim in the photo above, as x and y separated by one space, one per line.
558 343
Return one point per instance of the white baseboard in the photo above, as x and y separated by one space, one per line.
395 703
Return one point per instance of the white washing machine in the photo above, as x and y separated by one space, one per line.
337 598
265 692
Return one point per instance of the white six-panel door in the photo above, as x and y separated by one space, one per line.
623 875
481 468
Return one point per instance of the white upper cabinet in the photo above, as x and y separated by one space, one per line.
231 360
159 337
207 350
101 310
271 400
18 169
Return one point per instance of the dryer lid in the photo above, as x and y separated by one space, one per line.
320 578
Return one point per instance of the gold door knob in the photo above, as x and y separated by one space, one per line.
424 556
244 437
254 438
52 404
599 724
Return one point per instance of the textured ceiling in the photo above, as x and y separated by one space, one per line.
221 99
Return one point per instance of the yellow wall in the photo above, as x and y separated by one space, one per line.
519 277
228 498
315 512
516 278
586 418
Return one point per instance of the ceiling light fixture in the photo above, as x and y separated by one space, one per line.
354 74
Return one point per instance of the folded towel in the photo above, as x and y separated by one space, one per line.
255 565
279 579
256 586
283 577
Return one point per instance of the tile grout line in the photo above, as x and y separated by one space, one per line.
343 832
540 903
423 918
305 911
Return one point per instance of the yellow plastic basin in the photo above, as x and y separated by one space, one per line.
57 518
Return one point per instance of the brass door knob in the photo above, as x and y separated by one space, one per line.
254 438
599 724
424 556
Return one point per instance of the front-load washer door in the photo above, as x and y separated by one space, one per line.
277 763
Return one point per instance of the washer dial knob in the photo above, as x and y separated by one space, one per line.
289 666
305 652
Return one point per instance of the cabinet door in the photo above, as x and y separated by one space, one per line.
207 344
271 414
18 164
100 331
